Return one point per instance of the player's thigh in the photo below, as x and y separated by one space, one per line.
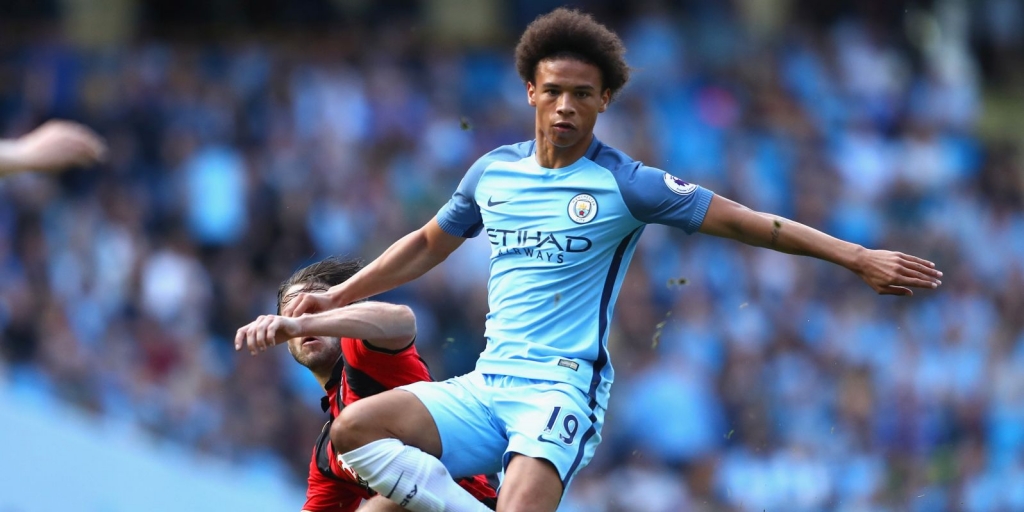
530 485
392 414
380 504
550 422
472 442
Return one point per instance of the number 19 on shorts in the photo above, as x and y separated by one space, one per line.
565 430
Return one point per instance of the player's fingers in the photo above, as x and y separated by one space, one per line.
303 304
914 268
268 336
915 282
289 309
912 277
62 152
915 259
261 334
250 339
68 129
239 338
924 268
313 305
272 334
83 155
84 133
896 290
254 345
257 335
93 146
99 149
87 153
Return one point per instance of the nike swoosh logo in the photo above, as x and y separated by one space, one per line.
396 485
541 439
492 203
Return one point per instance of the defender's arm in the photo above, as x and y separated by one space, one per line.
383 325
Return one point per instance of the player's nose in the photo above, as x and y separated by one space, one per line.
565 105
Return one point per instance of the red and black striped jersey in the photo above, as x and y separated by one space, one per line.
363 371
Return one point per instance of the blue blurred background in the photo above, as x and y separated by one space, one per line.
250 137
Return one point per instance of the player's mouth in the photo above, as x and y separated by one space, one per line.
310 339
564 127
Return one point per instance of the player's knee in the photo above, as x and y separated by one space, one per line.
355 428
531 484
531 499
527 504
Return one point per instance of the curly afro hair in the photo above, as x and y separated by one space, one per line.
573 34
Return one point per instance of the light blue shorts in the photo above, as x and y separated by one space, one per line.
485 419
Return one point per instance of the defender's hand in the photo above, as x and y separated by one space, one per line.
265 332
57 145
895 273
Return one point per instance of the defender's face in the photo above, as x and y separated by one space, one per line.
313 352
568 97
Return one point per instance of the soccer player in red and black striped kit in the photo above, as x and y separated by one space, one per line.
354 352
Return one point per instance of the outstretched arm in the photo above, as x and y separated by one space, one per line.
410 257
383 325
887 272
54 146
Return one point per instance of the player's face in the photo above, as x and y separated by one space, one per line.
568 96
314 352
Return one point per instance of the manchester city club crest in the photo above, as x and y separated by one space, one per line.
679 186
582 208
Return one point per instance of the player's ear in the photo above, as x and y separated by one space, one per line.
530 91
606 98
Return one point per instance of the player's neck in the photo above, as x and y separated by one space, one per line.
553 157
322 377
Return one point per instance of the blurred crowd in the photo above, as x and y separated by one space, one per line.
746 379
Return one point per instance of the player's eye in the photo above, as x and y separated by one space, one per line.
582 94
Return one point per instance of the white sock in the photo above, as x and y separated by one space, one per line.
408 476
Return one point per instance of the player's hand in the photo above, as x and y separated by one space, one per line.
895 273
265 332
309 303
58 145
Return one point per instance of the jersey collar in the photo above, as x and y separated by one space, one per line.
332 383
591 154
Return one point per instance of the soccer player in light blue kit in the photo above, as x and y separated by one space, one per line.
563 213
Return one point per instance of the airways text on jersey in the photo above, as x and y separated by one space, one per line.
537 244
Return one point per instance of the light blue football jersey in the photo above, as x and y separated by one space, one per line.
561 240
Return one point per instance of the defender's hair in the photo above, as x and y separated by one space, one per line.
576 35
319 276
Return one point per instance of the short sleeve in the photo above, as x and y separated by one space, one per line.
370 370
654 196
460 216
